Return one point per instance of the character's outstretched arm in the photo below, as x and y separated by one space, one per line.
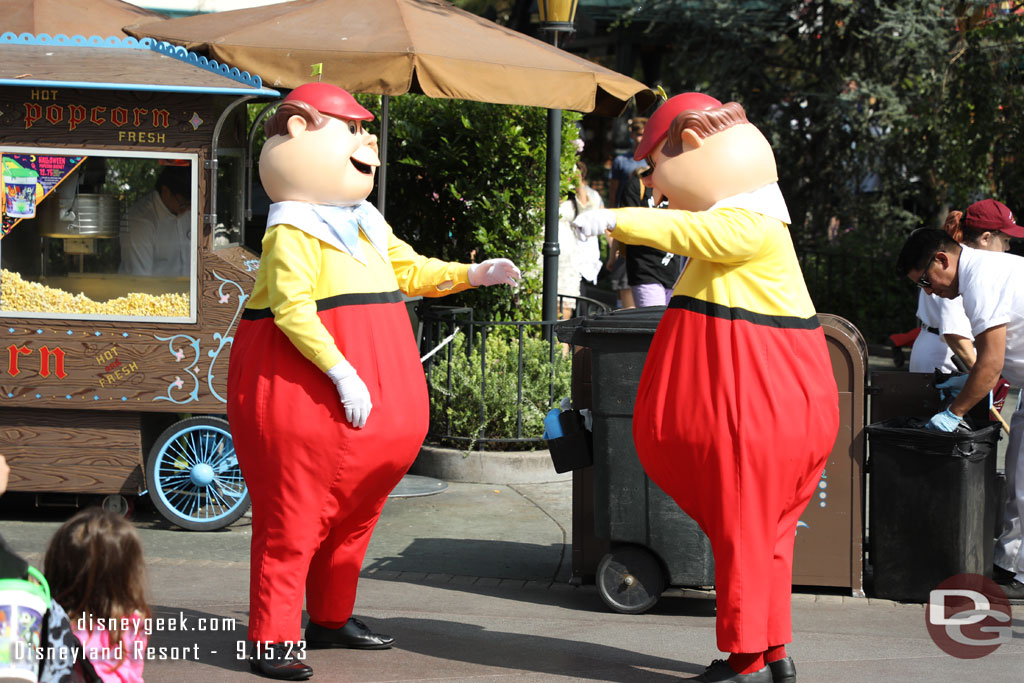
421 276
726 235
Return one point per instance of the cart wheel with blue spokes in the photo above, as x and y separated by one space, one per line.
193 475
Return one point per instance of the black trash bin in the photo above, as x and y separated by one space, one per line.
931 506
653 544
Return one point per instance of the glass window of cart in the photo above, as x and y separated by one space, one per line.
98 235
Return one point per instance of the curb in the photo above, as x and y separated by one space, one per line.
487 467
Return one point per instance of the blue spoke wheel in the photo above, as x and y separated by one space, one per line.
193 475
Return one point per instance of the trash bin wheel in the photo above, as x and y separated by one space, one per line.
193 475
630 579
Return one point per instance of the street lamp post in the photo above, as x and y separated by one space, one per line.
555 16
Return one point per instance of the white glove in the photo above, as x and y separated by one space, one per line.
354 394
593 223
495 271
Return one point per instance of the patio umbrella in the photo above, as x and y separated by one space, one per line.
87 18
392 47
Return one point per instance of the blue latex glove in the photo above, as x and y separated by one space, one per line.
946 421
952 386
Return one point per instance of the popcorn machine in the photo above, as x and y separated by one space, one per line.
116 307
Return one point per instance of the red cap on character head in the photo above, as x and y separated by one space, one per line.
659 123
331 100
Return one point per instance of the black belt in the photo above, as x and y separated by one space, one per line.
933 330
354 298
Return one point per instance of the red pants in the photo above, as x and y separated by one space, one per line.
318 485
734 421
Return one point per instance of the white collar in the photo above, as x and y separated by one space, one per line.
338 226
767 200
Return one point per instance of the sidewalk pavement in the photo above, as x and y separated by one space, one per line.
473 584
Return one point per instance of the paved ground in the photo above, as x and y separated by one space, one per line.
473 583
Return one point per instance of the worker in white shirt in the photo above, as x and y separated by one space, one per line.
157 240
989 284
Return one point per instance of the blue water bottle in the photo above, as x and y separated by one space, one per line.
552 427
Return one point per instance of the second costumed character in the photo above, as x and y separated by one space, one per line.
737 409
327 397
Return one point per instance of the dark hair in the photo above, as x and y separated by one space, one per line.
95 568
921 246
177 179
278 123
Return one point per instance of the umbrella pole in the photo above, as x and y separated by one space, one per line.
382 142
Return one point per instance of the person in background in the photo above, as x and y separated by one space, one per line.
945 329
623 165
95 568
989 283
578 260
651 272
615 264
157 240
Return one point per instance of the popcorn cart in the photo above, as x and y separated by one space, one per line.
118 295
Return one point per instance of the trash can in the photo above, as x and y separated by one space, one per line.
629 537
931 514
653 544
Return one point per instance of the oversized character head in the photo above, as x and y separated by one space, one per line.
317 150
702 151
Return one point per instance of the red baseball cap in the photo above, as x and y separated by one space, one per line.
988 214
661 121
331 100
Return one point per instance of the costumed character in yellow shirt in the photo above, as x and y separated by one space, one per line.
327 396
737 408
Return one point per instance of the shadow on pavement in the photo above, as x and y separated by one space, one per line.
482 646
476 557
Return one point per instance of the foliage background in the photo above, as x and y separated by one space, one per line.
466 183
883 115
482 398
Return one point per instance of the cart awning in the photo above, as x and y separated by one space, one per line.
41 61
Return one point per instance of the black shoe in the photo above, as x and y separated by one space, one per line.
721 672
354 635
1014 590
277 661
783 670
1001 576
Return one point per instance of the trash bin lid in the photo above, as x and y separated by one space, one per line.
911 434
642 321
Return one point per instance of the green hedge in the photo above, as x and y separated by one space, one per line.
491 383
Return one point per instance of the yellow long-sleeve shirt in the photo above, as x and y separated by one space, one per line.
299 274
739 258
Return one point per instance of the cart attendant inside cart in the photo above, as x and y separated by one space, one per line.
737 408
156 242
327 396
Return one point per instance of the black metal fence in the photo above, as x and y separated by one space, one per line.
491 383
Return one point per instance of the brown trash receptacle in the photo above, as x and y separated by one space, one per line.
830 535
